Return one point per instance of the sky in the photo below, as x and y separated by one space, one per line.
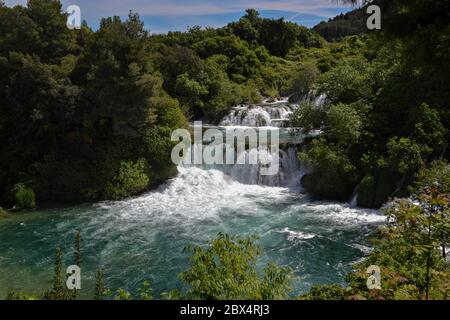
161 16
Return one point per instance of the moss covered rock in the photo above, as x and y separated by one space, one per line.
321 186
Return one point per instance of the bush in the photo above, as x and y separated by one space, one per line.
130 180
437 174
307 117
404 155
325 292
302 81
343 125
3 213
333 176
226 270
25 197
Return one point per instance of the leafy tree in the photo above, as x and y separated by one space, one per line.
343 125
303 81
404 155
307 117
131 179
428 130
347 82
25 197
325 292
122 294
437 174
333 174
99 285
227 270
58 291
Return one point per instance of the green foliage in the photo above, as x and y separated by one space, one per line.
88 98
277 36
325 292
347 82
58 290
227 270
25 197
100 290
302 81
307 117
409 250
437 174
428 130
333 176
351 23
3 213
20 296
412 264
146 292
343 125
122 294
130 180
404 155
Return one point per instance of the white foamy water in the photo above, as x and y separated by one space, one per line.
293 235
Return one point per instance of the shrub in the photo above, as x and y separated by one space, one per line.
437 174
25 197
325 292
3 213
227 270
333 176
130 180
307 117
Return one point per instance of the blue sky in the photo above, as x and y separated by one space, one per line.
177 15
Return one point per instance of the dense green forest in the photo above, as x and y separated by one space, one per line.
87 115
348 24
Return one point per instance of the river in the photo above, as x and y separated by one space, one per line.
143 238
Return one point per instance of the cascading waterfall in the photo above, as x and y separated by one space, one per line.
257 116
271 116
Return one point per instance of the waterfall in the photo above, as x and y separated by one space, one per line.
271 116
265 115
354 201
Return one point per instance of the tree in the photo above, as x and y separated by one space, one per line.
227 270
343 125
404 155
307 117
99 285
333 174
58 290
427 129
303 80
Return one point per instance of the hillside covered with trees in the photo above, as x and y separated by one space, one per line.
349 24
86 115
